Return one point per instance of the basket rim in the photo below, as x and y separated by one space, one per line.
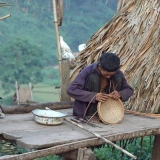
100 115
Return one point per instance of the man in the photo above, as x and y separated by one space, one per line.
97 82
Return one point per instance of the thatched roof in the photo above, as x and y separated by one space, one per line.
134 34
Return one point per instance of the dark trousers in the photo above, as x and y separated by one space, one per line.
93 84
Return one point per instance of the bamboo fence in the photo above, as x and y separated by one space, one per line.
134 35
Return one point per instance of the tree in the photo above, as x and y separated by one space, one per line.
134 34
20 61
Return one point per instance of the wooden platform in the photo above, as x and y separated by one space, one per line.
29 134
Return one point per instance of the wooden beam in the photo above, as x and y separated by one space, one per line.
48 151
26 108
79 144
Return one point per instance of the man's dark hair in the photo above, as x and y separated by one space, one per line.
109 61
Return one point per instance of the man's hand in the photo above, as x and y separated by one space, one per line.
115 95
102 97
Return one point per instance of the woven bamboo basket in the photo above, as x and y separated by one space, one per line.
111 111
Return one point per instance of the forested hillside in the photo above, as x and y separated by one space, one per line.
28 39
33 20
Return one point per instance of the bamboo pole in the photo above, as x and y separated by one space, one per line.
151 115
57 37
63 66
4 17
104 139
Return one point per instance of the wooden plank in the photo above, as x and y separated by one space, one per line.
54 150
65 137
25 131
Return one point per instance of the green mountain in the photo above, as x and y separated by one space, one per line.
33 20
28 40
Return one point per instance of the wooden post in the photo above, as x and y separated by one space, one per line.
156 153
17 93
63 64
65 80
79 154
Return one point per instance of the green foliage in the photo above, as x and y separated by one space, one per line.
7 101
34 21
139 148
30 31
20 61
51 76
82 19
22 24
52 157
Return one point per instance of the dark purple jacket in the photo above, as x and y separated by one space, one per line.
82 97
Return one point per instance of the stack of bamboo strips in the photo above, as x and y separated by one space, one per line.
134 35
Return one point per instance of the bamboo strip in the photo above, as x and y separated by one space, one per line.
104 139
143 114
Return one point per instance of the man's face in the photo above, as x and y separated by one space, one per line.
105 73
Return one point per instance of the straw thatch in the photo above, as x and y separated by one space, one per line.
134 34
